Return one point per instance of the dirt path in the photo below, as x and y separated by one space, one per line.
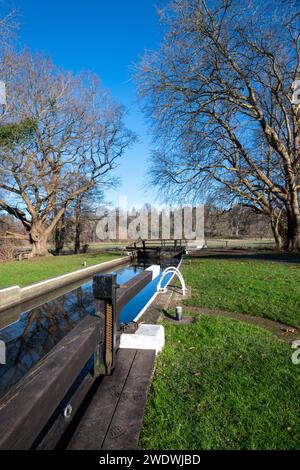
163 302
284 332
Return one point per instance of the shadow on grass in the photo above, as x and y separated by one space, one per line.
167 314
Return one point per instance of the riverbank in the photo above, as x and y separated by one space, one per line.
26 272
220 382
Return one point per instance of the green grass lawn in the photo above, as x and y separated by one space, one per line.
26 272
223 384
264 288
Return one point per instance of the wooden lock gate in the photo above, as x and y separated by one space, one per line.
44 404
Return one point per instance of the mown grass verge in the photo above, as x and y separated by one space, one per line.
223 384
269 289
26 272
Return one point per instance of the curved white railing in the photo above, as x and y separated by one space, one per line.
175 271
141 312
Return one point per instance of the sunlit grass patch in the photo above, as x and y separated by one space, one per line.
223 384
263 288
26 272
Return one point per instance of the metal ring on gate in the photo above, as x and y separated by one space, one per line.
68 411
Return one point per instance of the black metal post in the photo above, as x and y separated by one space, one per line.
110 298
104 288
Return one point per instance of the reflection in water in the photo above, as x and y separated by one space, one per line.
36 331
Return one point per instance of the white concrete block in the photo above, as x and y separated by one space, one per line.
145 337
155 269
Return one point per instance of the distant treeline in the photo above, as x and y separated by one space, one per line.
235 222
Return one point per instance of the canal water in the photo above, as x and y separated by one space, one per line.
31 334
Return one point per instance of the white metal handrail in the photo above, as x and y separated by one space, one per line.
171 269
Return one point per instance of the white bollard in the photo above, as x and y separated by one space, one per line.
178 313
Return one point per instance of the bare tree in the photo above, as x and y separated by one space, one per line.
84 216
236 222
8 25
220 94
73 137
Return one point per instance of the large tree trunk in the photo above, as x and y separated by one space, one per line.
38 238
293 242
286 228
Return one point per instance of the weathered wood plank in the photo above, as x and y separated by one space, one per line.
124 430
28 406
132 287
94 425
59 426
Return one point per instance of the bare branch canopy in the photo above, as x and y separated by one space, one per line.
219 93
62 136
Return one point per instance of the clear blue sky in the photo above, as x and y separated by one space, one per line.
105 37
